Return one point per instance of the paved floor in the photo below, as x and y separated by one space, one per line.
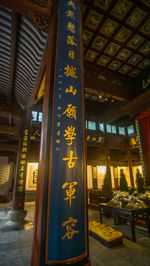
15 245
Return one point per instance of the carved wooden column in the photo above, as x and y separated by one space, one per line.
142 152
60 231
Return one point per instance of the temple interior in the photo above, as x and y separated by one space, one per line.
107 139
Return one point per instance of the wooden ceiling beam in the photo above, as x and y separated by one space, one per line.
103 87
26 8
14 108
13 53
8 147
134 157
139 101
12 138
113 113
132 108
116 142
9 130
111 74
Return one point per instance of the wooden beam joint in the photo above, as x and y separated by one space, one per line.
103 87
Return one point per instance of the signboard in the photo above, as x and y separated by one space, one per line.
141 148
66 224
94 138
22 163
35 133
134 142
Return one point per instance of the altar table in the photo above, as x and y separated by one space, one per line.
127 214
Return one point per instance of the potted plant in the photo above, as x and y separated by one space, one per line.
123 181
139 182
107 185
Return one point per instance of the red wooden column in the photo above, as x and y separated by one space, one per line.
143 132
17 213
60 229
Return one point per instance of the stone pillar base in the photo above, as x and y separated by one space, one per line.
16 217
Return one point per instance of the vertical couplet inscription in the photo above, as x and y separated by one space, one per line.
22 164
66 224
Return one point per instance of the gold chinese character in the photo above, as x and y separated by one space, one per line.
59 108
20 188
70 191
72 4
58 115
70 14
23 162
24 149
93 139
100 139
37 133
71 27
71 164
58 133
57 149
25 144
70 231
23 156
21 175
70 40
88 138
70 134
71 54
133 141
32 137
58 124
70 111
71 90
145 83
59 96
25 138
70 71
20 182
57 141
21 168
26 132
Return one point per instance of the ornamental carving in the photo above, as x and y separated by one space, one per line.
40 23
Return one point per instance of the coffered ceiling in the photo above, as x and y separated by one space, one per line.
116 35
